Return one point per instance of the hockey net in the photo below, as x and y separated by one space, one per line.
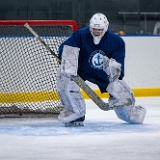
27 70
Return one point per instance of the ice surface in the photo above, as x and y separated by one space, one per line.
104 137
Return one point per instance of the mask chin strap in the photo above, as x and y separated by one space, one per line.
96 39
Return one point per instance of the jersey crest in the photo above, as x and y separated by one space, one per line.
96 59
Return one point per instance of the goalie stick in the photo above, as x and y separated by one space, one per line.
80 82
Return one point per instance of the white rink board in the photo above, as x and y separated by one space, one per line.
142 61
141 64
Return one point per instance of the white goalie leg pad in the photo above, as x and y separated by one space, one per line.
132 113
71 98
120 90
69 61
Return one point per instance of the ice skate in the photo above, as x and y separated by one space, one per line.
76 123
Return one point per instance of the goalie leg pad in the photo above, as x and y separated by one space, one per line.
120 90
71 98
132 113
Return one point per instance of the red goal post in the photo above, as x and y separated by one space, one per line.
71 23
27 70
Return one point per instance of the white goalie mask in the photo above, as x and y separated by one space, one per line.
98 23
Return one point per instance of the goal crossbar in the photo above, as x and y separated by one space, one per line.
41 23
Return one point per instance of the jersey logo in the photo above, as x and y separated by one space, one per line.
96 59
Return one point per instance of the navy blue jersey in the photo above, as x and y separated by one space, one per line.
90 62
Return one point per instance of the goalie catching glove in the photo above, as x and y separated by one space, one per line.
112 68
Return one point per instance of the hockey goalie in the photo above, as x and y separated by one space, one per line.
97 55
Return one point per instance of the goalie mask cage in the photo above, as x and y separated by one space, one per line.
27 70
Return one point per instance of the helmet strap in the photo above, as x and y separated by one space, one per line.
97 39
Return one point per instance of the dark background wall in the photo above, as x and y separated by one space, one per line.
131 16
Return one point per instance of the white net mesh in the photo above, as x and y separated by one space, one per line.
28 71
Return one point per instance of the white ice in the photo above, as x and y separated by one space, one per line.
104 137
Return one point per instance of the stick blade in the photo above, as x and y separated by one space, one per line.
121 103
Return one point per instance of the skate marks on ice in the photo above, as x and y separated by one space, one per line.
55 128
97 123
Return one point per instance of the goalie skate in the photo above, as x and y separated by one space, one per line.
76 123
